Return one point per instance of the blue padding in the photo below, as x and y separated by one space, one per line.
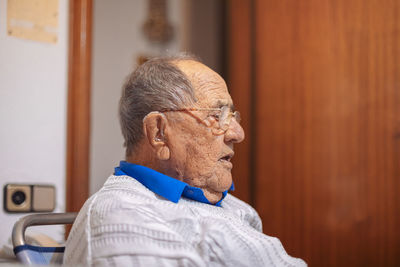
33 255
39 249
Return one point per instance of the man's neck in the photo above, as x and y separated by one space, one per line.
143 155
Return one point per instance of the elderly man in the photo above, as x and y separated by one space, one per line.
167 204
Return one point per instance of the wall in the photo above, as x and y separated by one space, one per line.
118 40
33 96
203 31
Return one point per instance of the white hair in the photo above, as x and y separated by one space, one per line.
155 85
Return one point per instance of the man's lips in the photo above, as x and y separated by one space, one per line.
227 158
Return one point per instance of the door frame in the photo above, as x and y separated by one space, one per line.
78 107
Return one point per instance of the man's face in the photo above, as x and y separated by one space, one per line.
199 157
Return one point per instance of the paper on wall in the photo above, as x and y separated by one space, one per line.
33 19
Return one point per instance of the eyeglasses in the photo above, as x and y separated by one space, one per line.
220 118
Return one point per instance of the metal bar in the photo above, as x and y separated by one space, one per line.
18 233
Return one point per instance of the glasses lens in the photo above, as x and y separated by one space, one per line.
236 114
226 117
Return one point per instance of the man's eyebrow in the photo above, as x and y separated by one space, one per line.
221 104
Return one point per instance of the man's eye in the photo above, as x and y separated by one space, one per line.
216 116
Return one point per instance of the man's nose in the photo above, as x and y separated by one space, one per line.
235 133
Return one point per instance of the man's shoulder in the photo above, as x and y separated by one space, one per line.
120 194
123 199
121 205
124 217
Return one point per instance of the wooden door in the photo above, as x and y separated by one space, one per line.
78 121
324 115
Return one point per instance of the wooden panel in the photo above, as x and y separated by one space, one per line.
328 138
78 128
239 84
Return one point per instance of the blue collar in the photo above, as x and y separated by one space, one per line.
163 185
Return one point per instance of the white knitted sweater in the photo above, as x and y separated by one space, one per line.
126 224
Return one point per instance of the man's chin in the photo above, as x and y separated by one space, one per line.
224 182
212 195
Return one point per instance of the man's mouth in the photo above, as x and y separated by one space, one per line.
227 157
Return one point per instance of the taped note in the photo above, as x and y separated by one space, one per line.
33 19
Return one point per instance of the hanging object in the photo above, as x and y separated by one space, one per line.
156 27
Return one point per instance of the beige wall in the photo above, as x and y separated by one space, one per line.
33 97
118 40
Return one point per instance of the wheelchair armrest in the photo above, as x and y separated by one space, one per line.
18 233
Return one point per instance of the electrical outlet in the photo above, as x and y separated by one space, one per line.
29 198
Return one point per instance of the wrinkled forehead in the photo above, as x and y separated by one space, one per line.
210 88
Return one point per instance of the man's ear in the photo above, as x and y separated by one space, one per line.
154 126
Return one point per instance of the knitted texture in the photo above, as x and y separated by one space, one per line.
125 224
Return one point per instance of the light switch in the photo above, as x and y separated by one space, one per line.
29 198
